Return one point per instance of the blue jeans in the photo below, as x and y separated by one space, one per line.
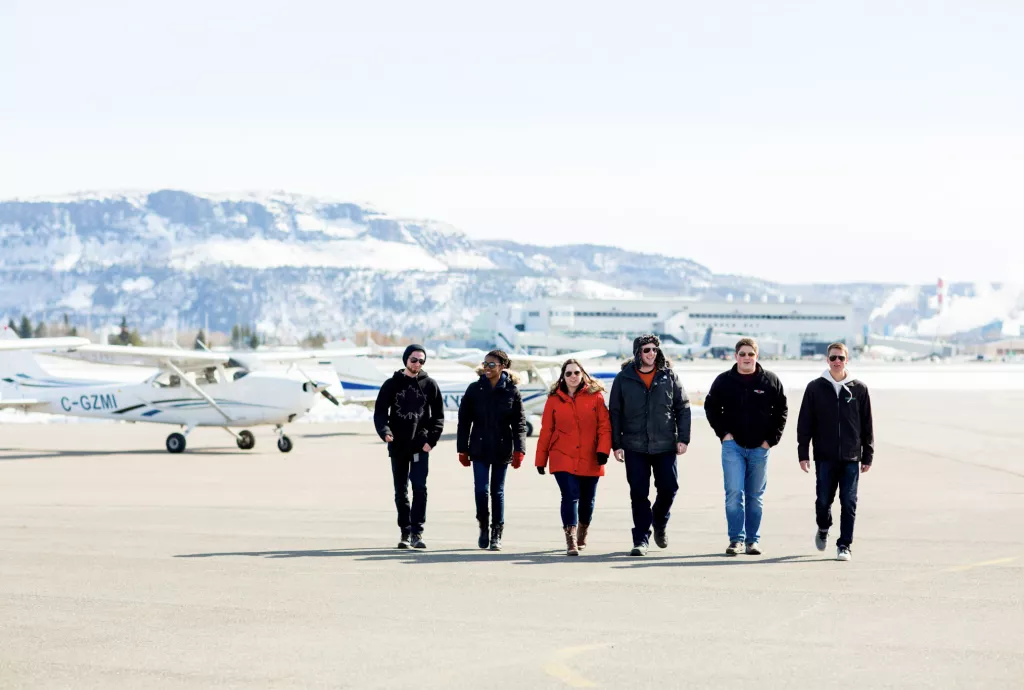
405 470
489 479
639 467
746 477
578 496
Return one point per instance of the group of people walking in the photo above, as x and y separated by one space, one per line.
645 426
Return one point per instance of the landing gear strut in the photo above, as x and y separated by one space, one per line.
284 444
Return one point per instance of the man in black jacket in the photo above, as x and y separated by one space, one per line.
650 415
835 416
409 416
746 407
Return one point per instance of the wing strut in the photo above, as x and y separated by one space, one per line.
197 389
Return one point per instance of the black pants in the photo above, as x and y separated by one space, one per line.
639 467
842 475
406 469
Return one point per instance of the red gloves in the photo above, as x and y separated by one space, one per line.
464 459
517 460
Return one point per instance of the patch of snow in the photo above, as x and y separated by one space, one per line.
595 290
467 261
143 284
80 299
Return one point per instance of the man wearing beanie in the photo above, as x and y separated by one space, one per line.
409 416
650 415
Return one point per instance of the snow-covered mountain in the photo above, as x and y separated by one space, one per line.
293 264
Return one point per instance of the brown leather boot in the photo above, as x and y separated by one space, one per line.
581 535
572 549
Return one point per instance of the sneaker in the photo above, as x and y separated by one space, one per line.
843 553
496 531
417 541
660 539
754 549
639 550
404 541
821 539
733 549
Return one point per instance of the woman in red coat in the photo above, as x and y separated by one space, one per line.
575 439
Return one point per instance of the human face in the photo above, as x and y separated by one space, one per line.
415 361
573 377
492 368
836 362
746 359
648 354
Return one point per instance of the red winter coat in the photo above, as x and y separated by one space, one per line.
574 431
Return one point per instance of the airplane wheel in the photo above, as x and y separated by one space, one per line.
176 443
529 429
245 440
284 444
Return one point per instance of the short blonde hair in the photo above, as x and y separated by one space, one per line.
749 342
838 346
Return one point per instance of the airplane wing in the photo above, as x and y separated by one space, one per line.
42 343
522 362
156 357
25 404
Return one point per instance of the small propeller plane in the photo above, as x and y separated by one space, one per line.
189 389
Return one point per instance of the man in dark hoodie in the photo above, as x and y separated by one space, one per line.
409 416
746 407
835 416
650 415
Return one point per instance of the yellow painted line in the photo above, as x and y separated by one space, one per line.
557 666
983 564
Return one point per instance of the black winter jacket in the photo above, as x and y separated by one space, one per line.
492 425
752 409
648 421
411 410
840 427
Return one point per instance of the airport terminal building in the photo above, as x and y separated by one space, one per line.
788 329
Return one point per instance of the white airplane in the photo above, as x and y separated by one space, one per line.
361 379
189 389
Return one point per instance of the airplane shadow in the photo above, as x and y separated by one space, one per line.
469 555
330 435
44 454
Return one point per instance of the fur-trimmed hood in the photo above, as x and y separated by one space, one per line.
512 376
650 339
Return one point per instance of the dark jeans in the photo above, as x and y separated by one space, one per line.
578 495
666 482
842 475
489 479
406 469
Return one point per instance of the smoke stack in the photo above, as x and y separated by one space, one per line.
940 289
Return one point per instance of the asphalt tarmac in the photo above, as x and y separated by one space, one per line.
122 566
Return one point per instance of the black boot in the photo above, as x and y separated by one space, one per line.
496 531
404 542
484 540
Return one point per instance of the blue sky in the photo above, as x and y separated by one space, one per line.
793 141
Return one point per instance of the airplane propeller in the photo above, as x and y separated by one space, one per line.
312 385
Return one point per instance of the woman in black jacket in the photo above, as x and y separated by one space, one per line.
492 434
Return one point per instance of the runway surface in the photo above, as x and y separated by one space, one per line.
122 566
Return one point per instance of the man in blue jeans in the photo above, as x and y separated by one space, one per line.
650 416
746 407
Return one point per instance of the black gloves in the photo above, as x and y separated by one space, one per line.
540 470
602 458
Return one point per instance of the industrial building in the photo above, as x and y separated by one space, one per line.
558 324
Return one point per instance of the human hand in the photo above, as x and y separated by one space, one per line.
680 448
727 437
427 448
389 438
620 455
765 445
464 459
517 460
864 468
602 458
540 470
805 465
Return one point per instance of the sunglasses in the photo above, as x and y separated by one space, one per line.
573 373
746 354
841 358
417 360
489 365
648 350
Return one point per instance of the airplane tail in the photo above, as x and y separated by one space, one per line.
359 377
706 342
9 333
20 366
